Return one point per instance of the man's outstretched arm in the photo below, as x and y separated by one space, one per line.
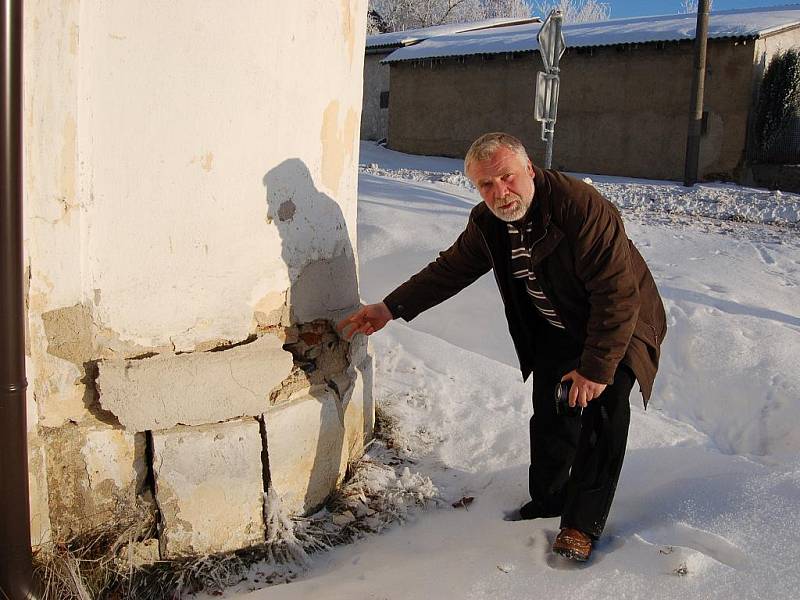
455 268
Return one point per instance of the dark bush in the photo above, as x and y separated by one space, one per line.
777 119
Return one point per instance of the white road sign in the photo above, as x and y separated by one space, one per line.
546 105
551 40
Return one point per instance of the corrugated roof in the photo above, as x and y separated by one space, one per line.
412 36
744 23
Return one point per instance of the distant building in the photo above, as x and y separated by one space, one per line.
624 98
375 113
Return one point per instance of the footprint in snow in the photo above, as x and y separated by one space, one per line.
693 548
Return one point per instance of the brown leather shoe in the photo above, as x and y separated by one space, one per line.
574 544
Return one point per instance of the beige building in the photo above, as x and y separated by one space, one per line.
375 112
190 239
624 97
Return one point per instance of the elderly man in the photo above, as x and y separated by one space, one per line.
582 307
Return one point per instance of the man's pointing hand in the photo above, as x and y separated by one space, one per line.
367 320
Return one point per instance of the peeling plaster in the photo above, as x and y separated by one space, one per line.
37 476
321 359
93 474
271 311
65 391
69 333
74 335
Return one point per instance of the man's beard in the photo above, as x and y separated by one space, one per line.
514 212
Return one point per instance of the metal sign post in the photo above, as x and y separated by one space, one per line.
551 48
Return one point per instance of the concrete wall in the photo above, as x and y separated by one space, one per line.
190 203
374 119
622 110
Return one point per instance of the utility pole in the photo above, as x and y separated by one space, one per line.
696 103
15 534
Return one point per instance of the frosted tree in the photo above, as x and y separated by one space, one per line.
690 6
399 15
577 11
490 9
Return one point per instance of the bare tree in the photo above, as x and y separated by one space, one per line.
399 15
577 11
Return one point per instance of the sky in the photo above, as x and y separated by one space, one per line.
634 8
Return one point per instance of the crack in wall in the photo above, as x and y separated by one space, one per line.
239 383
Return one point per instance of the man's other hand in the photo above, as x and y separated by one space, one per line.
583 390
367 320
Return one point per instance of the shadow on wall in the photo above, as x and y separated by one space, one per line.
315 245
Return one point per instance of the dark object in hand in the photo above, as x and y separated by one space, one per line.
563 409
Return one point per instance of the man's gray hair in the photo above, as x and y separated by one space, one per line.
486 145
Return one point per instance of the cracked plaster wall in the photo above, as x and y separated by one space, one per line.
179 197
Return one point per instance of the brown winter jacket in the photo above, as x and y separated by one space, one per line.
591 272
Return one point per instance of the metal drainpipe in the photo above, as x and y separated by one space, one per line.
16 580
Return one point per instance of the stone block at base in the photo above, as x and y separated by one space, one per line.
93 475
209 487
163 391
307 448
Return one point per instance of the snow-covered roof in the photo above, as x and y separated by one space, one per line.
744 23
412 36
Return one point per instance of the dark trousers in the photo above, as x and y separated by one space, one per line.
576 461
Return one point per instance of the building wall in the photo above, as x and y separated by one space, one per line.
622 111
766 48
190 203
374 119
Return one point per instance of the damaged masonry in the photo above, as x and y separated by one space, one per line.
203 435
186 255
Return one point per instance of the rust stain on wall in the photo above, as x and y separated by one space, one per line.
347 28
73 39
207 161
68 170
337 144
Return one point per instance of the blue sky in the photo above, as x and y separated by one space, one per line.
633 8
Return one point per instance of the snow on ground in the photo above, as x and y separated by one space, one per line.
709 495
